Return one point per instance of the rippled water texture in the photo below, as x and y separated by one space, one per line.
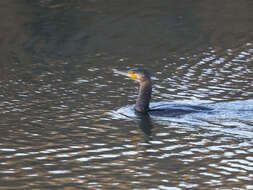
67 121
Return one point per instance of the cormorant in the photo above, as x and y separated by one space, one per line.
143 77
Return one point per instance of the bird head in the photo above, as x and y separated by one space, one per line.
140 75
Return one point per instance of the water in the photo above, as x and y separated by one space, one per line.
67 120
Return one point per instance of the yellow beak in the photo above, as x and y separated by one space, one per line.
125 73
133 76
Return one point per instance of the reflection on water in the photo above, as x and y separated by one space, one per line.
68 123
145 124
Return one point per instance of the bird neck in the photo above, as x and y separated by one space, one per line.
144 96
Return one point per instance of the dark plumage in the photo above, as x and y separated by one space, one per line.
143 77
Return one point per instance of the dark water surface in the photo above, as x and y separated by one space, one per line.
66 120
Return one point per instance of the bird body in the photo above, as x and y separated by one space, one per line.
143 77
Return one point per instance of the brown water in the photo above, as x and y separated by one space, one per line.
67 122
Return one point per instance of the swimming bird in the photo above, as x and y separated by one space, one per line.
143 77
